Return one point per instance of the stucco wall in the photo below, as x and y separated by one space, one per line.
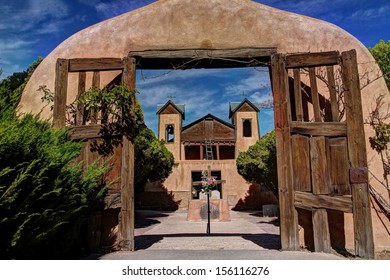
175 119
234 189
243 143
214 24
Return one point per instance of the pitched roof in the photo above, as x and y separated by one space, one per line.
208 116
179 107
234 106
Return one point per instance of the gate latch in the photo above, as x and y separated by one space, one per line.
358 175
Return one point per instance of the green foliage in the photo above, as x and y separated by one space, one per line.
11 89
258 163
153 161
382 137
45 196
381 53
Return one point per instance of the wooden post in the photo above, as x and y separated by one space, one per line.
314 94
298 94
288 215
127 213
321 231
96 85
364 243
60 92
332 93
80 108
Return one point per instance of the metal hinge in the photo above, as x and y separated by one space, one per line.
358 175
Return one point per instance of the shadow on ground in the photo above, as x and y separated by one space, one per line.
143 220
266 241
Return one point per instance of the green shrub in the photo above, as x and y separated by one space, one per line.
258 163
45 197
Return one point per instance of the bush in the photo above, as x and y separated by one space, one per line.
258 163
45 197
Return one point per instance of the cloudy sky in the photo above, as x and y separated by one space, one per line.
32 28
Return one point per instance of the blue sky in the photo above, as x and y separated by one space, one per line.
32 28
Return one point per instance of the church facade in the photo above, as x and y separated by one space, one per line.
208 143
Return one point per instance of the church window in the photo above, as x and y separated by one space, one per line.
247 128
169 133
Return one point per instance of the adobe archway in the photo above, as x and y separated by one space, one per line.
186 24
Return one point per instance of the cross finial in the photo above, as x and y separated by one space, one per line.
244 94
171 96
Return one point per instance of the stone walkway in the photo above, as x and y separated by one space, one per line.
164 235
245 231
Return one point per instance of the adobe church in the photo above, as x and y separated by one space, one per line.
207 143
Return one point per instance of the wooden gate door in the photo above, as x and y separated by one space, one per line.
321 147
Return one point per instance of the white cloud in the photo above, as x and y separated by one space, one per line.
370 14
108 9
26 15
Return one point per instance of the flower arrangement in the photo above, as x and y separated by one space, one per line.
208 183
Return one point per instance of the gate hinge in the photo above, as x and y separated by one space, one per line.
358 175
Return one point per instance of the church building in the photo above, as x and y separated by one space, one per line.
208 143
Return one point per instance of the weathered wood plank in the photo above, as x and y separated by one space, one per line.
288 215
96 85
206 53
310 201
95 64
80 91
298 95
314 94
338 166
319 166
127 213
333 93
94 231
127 172
60 93
321 231
209 132
301 163
87 132
312 59
364 242
330 129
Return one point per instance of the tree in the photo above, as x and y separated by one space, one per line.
381 53
258 163
153 161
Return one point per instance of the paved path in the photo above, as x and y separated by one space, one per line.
163 235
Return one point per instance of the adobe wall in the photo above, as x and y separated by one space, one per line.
175 119
243 143
215 24
236 190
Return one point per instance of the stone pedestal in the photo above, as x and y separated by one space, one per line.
219 208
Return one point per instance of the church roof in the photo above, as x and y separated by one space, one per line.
208 116
234 106
179 107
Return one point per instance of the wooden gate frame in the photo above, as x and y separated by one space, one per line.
359 204
95 65
289 199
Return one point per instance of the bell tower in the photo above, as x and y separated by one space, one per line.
170 117
244 116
